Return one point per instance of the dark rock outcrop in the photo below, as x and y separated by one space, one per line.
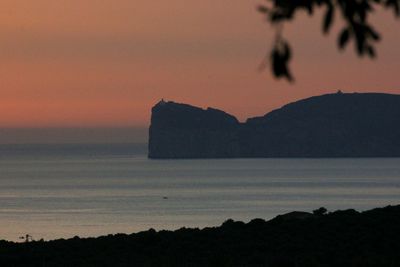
184 131
333 125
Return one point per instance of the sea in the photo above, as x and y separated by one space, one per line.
52 191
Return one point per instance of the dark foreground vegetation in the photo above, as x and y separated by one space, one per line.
341 238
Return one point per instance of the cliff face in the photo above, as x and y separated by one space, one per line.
333 125
184 131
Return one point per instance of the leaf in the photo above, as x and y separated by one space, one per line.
328 19
280 57
309 8
395 4
371 51
286 52
344 38
375 35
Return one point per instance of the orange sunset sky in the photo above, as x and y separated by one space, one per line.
105 63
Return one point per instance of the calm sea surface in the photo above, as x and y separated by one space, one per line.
54 191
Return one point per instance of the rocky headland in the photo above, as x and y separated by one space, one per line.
332 125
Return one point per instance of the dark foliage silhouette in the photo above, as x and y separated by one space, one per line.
355 14
341 238
320 211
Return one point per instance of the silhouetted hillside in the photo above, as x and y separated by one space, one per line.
342 238
333 125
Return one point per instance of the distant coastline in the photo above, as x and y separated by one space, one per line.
326 126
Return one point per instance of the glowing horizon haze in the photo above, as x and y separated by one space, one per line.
92 63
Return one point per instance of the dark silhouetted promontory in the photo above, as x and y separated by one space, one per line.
332 125
298 239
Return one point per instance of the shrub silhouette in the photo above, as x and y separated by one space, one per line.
341 238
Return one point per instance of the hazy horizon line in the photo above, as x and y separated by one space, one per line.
73 135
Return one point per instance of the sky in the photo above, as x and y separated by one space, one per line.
105 63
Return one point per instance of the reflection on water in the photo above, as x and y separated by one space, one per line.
99 189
